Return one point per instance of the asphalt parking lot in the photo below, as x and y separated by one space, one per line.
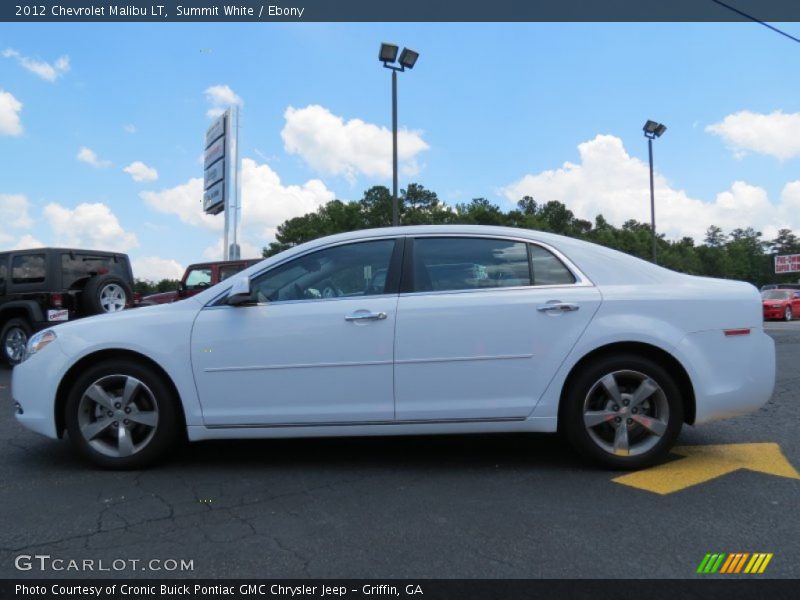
484 506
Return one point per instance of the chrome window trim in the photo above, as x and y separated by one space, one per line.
581 280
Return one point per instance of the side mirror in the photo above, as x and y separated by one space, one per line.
181 288
239 292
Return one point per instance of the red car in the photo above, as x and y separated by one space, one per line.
199 277
781 304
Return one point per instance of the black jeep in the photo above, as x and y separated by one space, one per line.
42 287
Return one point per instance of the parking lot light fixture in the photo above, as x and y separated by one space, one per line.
408 58
388 53
653 130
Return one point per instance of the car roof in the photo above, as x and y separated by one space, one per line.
222 263
68 250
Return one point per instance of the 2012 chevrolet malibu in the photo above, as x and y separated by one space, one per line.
411 330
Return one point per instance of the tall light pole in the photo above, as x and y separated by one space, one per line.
408 58
653 130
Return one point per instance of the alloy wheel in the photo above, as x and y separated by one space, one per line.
15 343
112 298
118 415
626 413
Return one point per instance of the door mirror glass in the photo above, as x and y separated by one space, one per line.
240 291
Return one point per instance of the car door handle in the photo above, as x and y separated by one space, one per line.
366 316
557 307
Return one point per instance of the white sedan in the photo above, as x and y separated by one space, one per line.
411 330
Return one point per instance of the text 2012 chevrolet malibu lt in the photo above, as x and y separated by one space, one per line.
412 330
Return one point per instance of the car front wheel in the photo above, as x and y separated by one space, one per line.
623 412
122 415
787 314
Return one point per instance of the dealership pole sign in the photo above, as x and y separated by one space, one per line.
214 165
221 176
788 263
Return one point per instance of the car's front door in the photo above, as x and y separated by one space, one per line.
483 326
315 344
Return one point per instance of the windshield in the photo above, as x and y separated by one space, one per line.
776 294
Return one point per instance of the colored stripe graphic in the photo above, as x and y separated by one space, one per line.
703 563
734 563
765 563
727 564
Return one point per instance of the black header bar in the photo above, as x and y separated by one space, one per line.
403 11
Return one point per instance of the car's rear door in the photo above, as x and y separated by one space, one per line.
483 324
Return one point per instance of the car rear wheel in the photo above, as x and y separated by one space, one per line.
13 340
787 314
122 415
623 412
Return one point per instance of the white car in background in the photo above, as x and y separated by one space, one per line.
411 330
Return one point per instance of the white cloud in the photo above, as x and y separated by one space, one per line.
13 215
331 145
776 134
26 242
266 203
248 250
91 226
14 211
154 268
141 172
10 108
88 156
610 182
129 128
221 97
43 69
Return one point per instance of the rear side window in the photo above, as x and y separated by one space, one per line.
3 270
227 271
77 268
28 268
547 269
442 264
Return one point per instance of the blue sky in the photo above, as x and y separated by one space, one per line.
493 110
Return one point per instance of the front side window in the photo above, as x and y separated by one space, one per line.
77 268
198 278
349 270
442 264
28 268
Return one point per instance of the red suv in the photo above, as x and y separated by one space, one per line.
199 277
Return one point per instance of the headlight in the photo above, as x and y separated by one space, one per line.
39 341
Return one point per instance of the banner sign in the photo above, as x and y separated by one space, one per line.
788 263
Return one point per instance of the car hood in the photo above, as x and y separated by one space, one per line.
781 301
130 318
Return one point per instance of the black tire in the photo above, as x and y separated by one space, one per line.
168 431
92 297
585 389
787 314
13 330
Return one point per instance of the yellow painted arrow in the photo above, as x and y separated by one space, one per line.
704 463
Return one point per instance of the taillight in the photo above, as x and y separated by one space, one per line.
56 300
137 297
